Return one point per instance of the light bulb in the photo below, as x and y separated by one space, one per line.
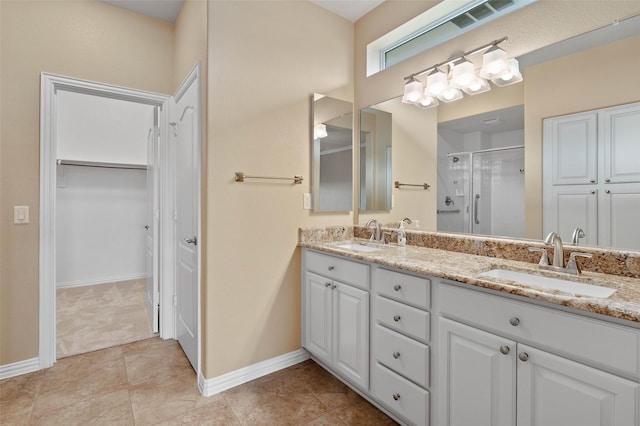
413 91
494 61
436 83
463 74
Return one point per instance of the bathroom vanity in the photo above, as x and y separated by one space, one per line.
430 339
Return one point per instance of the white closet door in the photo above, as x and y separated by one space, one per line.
621 137
571 206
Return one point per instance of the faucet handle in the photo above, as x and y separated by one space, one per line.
544 260
572 266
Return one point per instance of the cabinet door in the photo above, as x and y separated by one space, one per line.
317 316
618 216
571 206
477 377
351 333
621 136
570 149
554 391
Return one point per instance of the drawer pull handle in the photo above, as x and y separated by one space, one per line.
331 268
523 356
396 355
504 350
396 396
397 287
515 321
327 284
396 318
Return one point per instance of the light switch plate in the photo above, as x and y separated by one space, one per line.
306 201
20 215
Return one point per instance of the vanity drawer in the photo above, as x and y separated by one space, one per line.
405 288
403 355
606 345
400 395
410 321
336 268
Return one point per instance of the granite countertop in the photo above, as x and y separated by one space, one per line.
466 268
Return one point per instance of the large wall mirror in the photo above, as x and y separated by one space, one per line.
375 160
332 154
480 139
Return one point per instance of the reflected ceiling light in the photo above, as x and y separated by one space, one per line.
463 76
450 94
509 76
320 131
413 91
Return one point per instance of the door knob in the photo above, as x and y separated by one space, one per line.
396 396
514 321
504 350
192 240
397 287
396 318
523 356
396 355
146 227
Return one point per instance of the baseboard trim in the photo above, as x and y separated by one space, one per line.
98 281
19 368
209 387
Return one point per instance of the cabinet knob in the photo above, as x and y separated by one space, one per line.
397 287
331 268
515 321
333 286
504 350
396 318
327 284
592 181
607 191
396 396
396 355
593 192
607 180
523 356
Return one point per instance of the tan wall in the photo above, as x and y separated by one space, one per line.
535 26
83 39
597 78
265 60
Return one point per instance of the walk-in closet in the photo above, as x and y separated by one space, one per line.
102 220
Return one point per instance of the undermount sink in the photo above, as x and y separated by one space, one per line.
551 283
360 247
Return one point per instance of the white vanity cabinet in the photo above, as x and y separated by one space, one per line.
591 174
505 362
336 314
400 357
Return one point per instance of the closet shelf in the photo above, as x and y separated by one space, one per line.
101 164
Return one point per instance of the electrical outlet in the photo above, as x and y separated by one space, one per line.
306 201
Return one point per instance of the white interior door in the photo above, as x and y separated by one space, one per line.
187 134
153 217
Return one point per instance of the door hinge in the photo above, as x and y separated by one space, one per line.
175 301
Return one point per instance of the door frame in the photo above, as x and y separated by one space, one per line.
49 84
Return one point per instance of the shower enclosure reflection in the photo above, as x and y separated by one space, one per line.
481 174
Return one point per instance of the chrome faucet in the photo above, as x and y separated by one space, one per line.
577 234
558 256
558 251
376 234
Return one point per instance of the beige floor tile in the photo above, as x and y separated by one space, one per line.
164 398
17 396
215 414
329 419
362 413
81 377
154 358
110 409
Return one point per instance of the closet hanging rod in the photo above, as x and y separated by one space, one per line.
422 185
448 211
101 164
241 176
451 154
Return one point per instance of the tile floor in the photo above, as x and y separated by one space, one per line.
150 382
101 316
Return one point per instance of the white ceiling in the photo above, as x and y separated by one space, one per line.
168 10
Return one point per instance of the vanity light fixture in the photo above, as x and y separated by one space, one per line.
462 77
